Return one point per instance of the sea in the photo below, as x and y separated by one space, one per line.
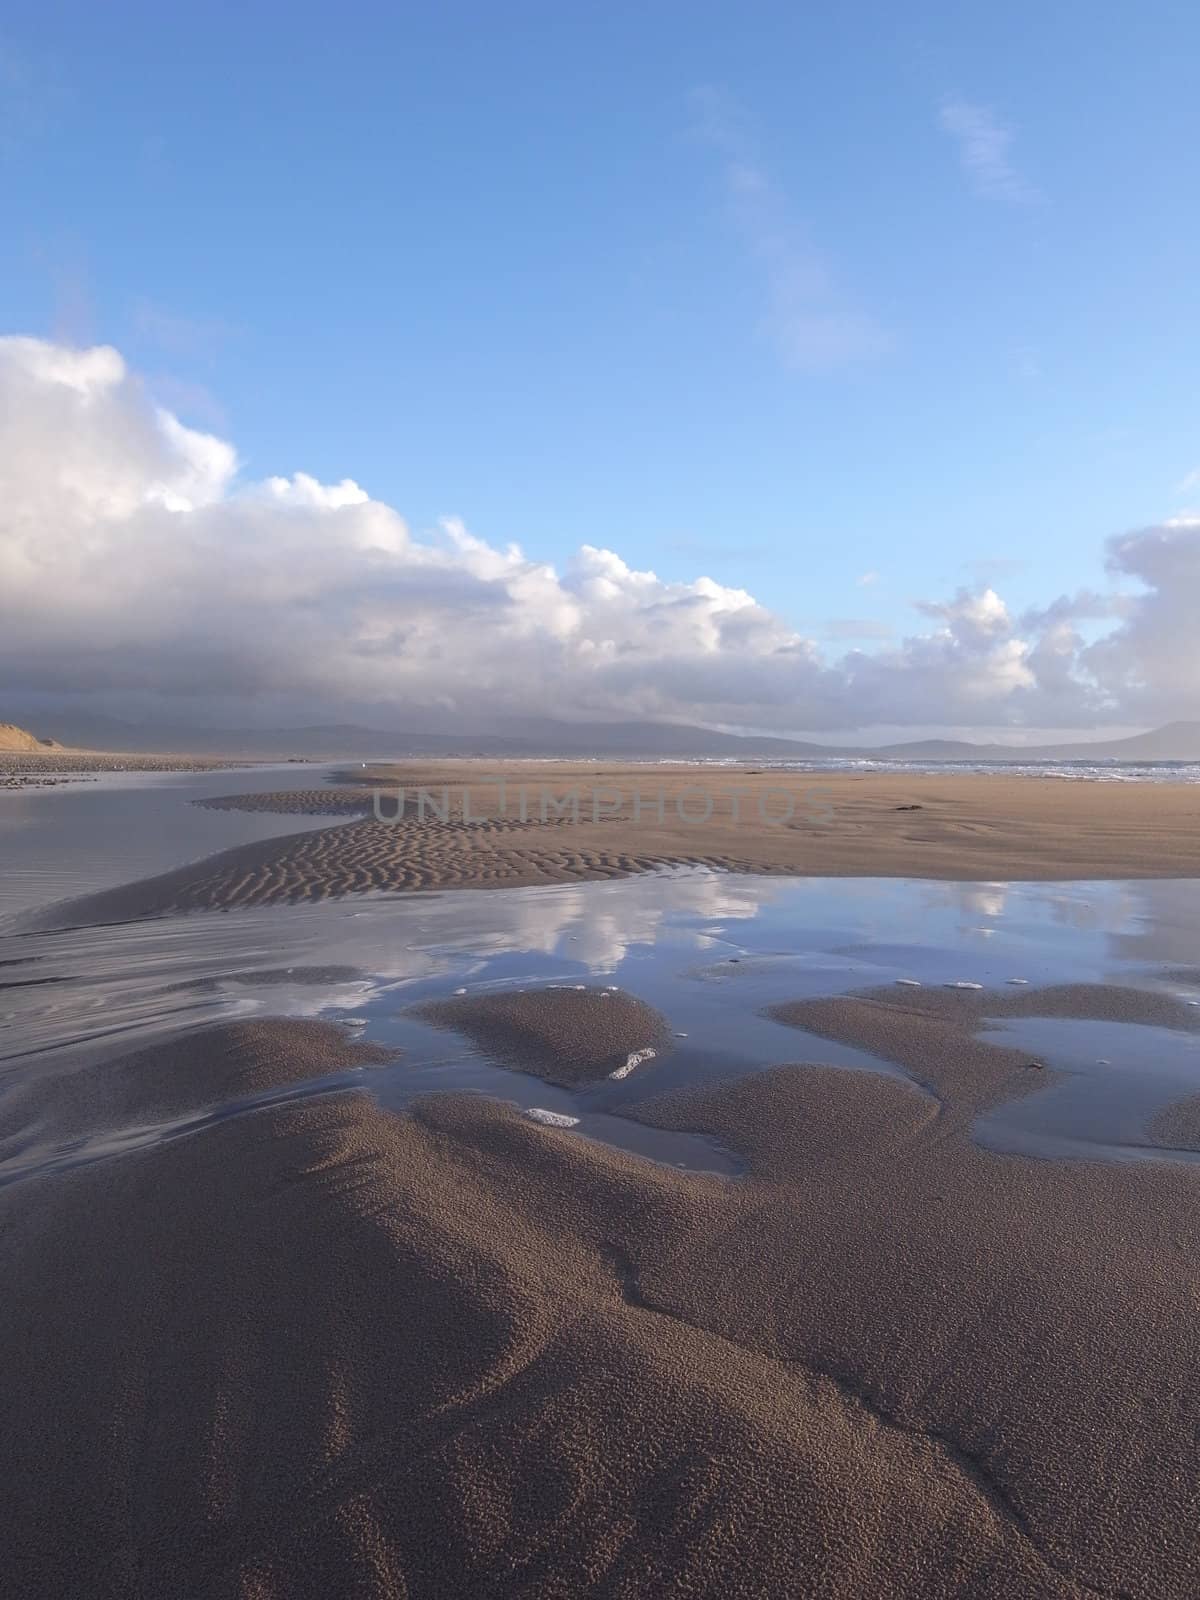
1078 771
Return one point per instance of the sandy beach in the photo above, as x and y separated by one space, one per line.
323 1349
951 826
310 1345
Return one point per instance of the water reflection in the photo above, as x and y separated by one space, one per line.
78 839
710 951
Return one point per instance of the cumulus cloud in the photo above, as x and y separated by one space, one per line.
135 561
1150 665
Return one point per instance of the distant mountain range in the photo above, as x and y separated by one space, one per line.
1178 741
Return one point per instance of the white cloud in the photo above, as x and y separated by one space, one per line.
983 150
135 563
809 319
1150 664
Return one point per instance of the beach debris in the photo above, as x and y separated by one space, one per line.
910 808
1103 1061
1021 981
460 991
909 983
551 1119
680 1035
962 983
634 1060
1039 1065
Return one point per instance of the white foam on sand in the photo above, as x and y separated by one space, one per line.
634 1060
552 1119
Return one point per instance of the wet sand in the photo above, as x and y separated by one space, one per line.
951 826
565 1035
321 1349
188 1073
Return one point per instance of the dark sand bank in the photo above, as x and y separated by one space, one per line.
30 769
939 1035
321 1349
951 826
330 801
565 1035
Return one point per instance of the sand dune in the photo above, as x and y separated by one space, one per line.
14 739
321 1349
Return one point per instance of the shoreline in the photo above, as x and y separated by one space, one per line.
44 769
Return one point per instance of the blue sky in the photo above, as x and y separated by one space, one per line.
846 306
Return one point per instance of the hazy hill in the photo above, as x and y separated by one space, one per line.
1179 741
532 738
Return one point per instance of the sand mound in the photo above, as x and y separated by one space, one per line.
1083 1002
320 1349
188 1073
567 1036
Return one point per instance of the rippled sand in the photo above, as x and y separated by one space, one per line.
895 825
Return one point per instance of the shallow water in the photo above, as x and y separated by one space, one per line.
710 951
75 839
